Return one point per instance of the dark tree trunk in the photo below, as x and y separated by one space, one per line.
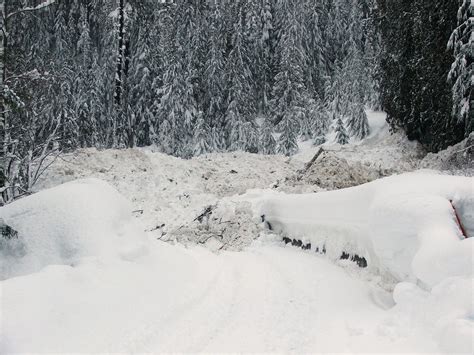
120 57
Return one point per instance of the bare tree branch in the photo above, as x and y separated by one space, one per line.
44 4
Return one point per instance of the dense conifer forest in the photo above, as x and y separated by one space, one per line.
197 76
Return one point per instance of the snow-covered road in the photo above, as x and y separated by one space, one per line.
83 277
268 298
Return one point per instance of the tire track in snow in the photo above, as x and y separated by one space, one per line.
152 334
253 323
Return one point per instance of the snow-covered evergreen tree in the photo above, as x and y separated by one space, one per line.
341 133
201 138
214 82
314 47
177 107
290 95
127 73
178 101
358 123
217 140
251 137
267 143
462 71
145 75
86 98
237 138
320 120
240 107
266 53
287 142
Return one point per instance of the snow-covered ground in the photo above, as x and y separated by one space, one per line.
87 273
267 299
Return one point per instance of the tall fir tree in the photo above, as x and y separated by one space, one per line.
267 143
214 82
358 122
290 95
461 74
240 109
341 134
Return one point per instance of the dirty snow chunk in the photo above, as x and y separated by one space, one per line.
63 224
230 225
401 224
332 172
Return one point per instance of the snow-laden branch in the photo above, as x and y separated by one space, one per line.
44 4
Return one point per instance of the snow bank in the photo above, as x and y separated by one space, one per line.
404 224
65 223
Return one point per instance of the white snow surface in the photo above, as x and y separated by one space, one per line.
88 275
267 299
66 223
404 224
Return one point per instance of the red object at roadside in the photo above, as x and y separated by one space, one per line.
458 220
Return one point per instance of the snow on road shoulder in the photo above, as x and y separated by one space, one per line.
63 224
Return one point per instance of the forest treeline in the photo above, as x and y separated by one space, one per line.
199 76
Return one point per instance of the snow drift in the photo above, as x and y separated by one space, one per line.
404 224
412 227
66 223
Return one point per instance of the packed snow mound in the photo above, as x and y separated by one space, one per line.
405 225
61 225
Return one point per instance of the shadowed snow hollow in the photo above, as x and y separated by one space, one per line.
63 224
